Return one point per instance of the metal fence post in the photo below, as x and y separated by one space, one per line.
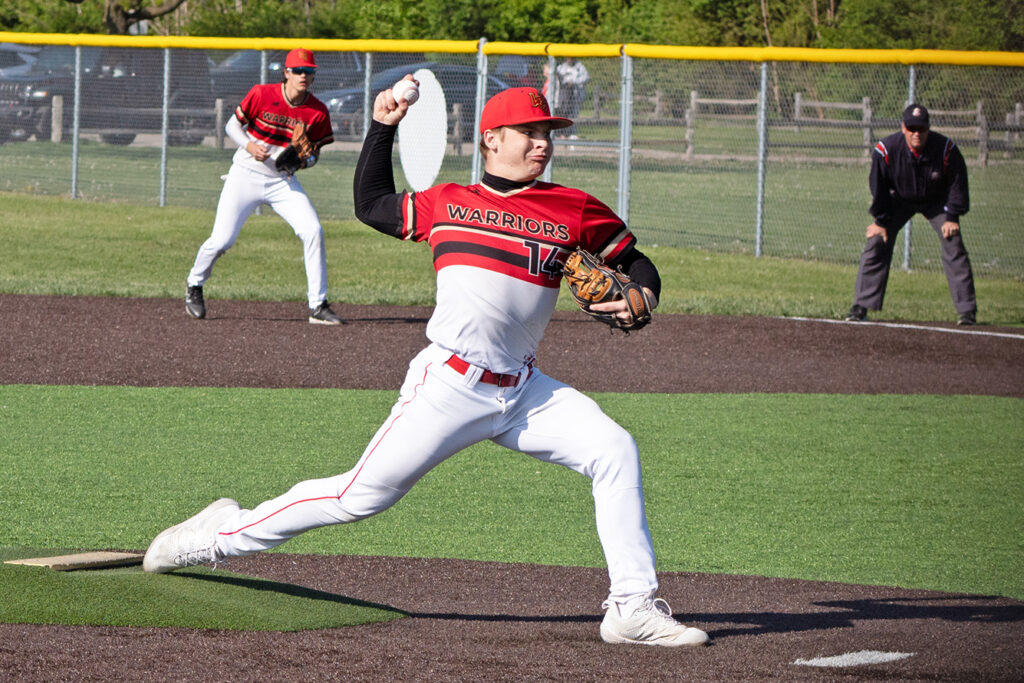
762 147
552 96
481 97
367 88
911 86
218 123
76 120
262 80
625 136
164 117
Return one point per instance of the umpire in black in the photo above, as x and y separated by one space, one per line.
916 171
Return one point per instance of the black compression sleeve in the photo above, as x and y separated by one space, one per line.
641 270
373 187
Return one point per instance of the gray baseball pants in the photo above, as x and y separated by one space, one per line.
876 259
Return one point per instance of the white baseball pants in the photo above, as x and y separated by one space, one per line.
440 412
244 190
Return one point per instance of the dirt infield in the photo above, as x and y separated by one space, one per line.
490 621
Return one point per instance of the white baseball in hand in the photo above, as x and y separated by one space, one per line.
406 90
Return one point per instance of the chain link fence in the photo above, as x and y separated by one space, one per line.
763 157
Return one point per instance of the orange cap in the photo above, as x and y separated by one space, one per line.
518 105
299 57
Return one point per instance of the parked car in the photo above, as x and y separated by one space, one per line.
458 83
519 70
16 59
121 94
235 75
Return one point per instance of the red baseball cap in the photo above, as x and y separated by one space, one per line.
299 57
518 105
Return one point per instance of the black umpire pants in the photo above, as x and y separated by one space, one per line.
876 259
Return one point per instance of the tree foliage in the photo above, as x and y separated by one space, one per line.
256 18
120 17
52 16
936 24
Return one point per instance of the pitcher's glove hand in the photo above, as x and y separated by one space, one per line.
591 282
299 154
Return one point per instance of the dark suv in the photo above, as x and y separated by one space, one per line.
121 95
458 83
233 77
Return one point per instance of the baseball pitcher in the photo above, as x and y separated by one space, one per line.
498 251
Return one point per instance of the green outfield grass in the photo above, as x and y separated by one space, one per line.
70 247
803 486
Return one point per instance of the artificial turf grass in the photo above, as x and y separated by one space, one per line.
198 597
788 485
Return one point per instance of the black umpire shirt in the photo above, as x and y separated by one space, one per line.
901 179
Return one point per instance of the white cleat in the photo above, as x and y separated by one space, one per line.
647 621
190 543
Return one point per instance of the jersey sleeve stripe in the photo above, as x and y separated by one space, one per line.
619 242
409 213
880 149
326 140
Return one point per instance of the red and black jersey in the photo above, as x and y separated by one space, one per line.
524 233
268 116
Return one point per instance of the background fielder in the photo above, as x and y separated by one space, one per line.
497 249
262 128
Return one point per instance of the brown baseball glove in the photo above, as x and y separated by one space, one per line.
299 154
591 281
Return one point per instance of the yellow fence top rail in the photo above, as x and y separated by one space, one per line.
680 52
206 43
505 48
590 50
839 56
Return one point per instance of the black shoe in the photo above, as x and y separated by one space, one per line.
195 306
323 315
857 314
967 319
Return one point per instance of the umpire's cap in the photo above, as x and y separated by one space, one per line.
299 57
518 105
915 115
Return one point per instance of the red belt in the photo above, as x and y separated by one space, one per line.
460 366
